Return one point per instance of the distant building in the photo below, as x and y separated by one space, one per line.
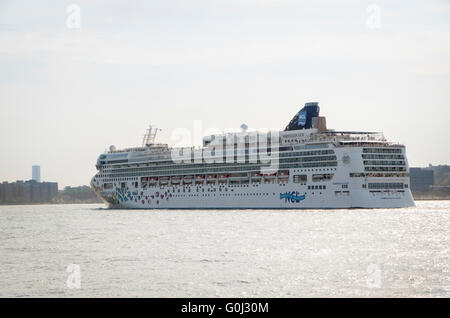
36 173
421 178
441 175
21 192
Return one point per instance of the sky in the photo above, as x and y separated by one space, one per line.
79 76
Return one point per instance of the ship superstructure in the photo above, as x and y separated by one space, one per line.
305 166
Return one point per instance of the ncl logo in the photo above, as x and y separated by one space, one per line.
302 118
293 197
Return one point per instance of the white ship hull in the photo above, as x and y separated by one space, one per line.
255 198
339 192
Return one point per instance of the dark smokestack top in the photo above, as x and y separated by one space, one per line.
303 119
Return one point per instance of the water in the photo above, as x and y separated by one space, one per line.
137 253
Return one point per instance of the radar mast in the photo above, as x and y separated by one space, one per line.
150 136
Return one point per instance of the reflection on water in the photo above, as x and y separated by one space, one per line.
86 250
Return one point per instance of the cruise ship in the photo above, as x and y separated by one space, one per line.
304 166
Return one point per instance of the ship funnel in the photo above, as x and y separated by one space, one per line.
304 118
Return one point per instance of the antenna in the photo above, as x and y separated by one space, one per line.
150 136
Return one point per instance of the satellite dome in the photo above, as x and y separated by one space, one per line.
112 148
244 127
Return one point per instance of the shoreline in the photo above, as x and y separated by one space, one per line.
48 203
68 203
432 199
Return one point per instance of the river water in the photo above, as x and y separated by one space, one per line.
89 251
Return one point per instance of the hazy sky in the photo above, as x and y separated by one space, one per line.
67 93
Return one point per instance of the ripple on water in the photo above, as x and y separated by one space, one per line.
403 252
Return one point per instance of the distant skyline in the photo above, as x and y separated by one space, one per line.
70 88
